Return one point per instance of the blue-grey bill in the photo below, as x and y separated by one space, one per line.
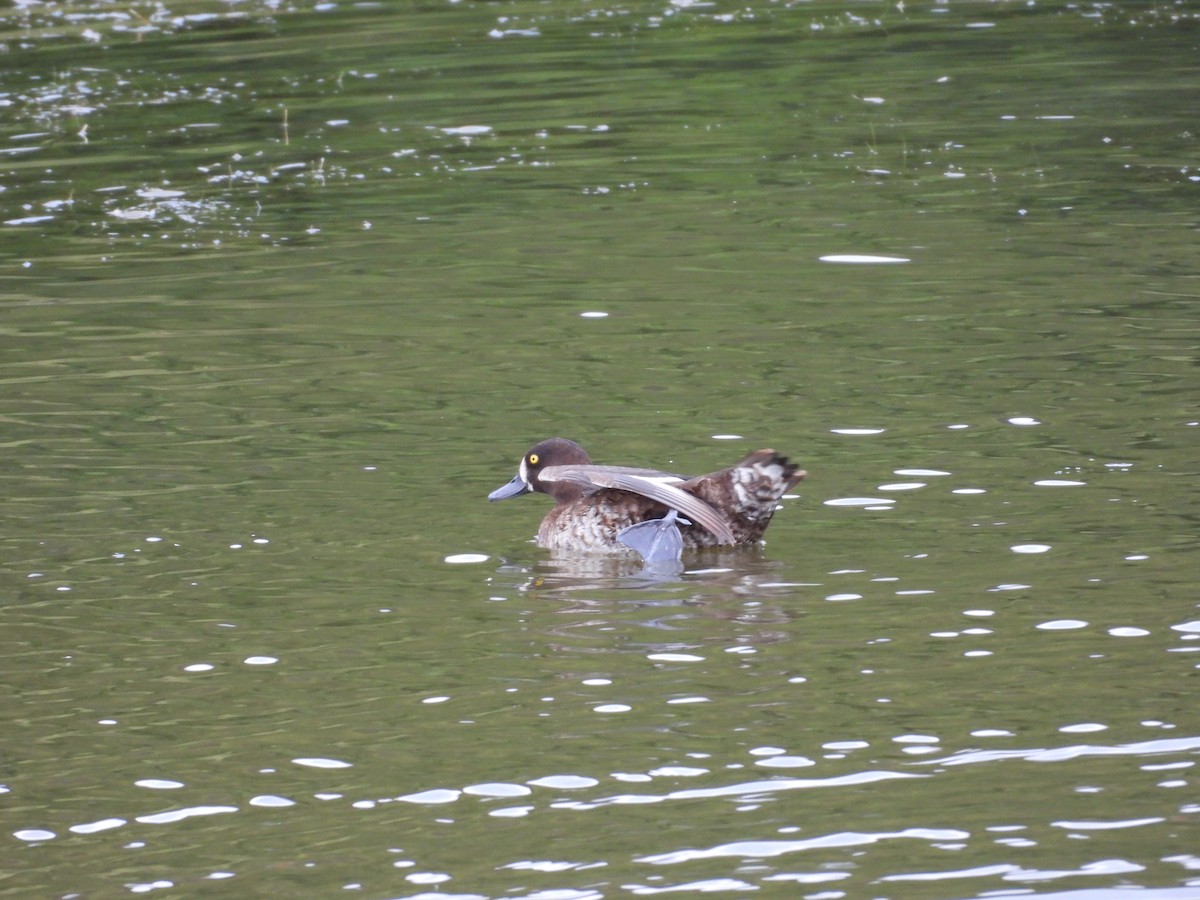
514 488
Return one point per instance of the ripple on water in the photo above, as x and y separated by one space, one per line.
564 782
845 745
865 259
678 772
1106 825
497 789
316 762
271 801
632 777
544 865
97 826
34 834
511 812
786 761
436 795
178 815
926 739
867 502
766 849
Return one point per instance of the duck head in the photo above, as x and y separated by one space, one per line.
550 452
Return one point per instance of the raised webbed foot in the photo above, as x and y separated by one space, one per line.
658 540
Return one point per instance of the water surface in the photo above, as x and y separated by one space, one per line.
288 290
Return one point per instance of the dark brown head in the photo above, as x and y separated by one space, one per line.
550 452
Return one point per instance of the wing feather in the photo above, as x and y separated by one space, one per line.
646 483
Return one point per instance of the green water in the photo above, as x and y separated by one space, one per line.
312 280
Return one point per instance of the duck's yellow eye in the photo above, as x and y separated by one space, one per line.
533 459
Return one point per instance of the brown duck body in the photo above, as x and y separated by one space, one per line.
593 504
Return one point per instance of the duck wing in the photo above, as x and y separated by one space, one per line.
649 483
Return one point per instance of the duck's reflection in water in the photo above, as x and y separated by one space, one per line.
739 584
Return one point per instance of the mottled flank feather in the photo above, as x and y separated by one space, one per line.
748 493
